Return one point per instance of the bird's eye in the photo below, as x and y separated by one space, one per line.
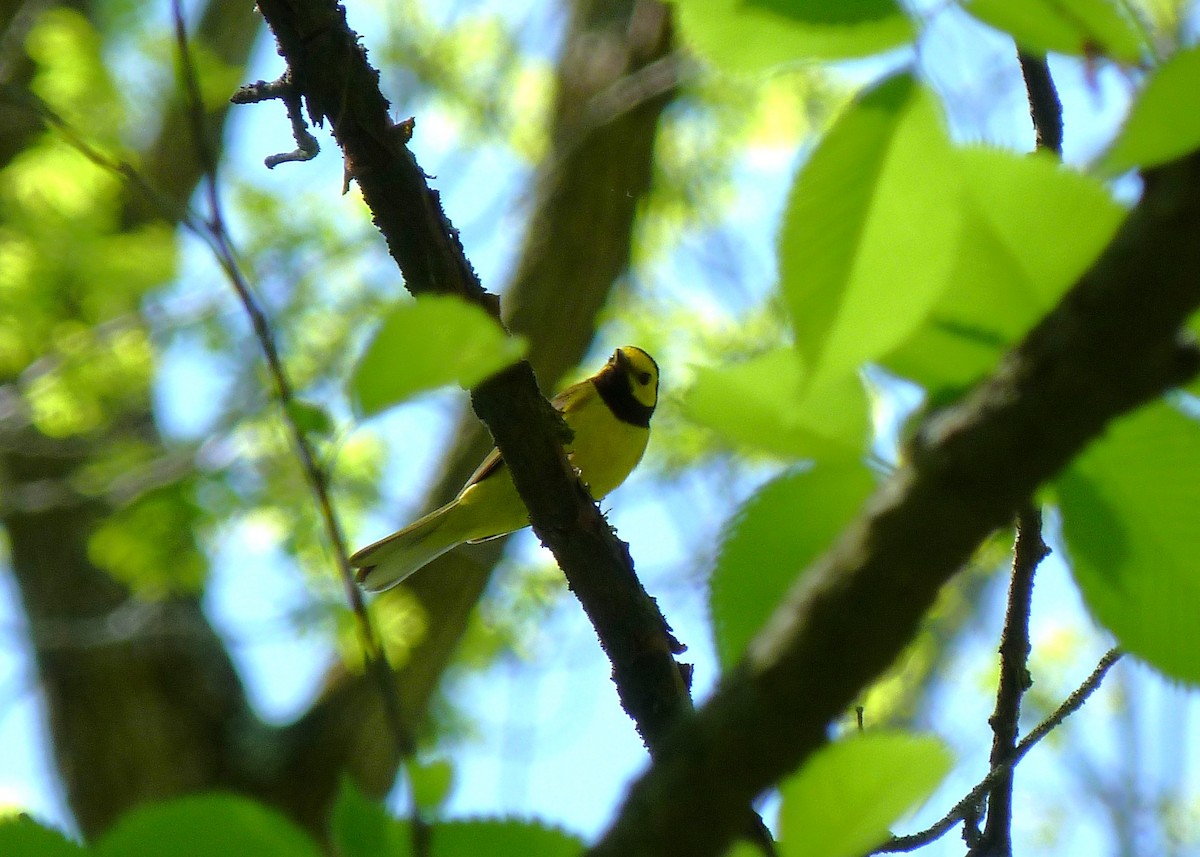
643 378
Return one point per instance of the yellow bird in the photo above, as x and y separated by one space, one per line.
610 416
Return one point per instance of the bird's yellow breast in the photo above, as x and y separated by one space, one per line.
605 449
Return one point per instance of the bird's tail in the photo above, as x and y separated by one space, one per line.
388 561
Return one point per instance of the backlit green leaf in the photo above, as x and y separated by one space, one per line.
843 800
871 232
1131 522
1164 123
772 539
310 418
432 783
752 36
362 828
1032 229
205 826
21 835
427 343
1079 27
760 403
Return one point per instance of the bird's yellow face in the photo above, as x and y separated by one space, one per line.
628 384
642 372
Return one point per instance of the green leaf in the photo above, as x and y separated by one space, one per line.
361 827
1032 228
21 836
150 544
1080 27
843 800
427 343
772 539
205 826
1129 508
1164 123
758 403
503 838
310 418
432 783
738 36
871 231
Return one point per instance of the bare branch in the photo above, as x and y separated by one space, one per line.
967 807
307 146
1028 552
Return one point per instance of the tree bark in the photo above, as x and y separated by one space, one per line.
575 251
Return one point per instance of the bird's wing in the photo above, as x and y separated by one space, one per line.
574 397
490 466
564 402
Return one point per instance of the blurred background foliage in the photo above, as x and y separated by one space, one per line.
139 437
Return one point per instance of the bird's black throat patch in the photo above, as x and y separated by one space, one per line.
613 386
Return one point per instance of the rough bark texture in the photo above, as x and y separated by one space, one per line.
576 250
1112 344
328 67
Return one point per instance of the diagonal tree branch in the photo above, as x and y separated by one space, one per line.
329 67
1110 345
586 197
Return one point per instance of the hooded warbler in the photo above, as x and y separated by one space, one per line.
609 414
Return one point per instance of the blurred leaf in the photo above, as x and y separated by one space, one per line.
1131 522
21 836
1080 27
742 848
215 77
758 403
362 828
432 783
843 800
1164 122
1032 228
209 825
427 343
504 838
773 538
752 36
150 543
871 232
310 418
71 75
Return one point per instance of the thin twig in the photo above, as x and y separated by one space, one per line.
307 146
318 480
1028 552
1045 111
970 801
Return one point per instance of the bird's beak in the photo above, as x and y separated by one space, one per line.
620 359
